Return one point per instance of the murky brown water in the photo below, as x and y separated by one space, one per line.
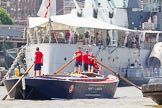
125 97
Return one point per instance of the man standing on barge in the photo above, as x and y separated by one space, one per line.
78 60
38 61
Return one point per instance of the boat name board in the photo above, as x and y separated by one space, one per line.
94 90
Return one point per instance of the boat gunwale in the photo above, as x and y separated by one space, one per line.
73 79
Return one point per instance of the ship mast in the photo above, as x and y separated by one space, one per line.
50 26
45 12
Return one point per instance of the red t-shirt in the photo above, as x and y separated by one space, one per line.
79 58
85 58
67 34
95 65
38 57
91 59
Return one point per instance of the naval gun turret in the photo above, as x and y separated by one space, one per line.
154 87
155 58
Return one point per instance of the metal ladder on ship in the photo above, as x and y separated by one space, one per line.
15 62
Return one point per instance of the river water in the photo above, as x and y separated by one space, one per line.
125 97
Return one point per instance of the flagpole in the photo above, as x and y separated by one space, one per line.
50 30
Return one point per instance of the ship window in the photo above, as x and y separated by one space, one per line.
132 64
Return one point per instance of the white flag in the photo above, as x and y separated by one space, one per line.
44 10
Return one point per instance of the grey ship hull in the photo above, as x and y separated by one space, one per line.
118 59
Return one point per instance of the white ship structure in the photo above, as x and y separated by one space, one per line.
129 31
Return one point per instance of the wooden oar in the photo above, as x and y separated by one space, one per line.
120 76
26 72
65 65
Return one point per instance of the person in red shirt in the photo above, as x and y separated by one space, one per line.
91 59
96 68
85 61
67 36
78 60
38 60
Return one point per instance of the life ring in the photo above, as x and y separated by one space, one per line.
71 88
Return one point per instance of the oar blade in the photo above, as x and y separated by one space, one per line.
4 98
